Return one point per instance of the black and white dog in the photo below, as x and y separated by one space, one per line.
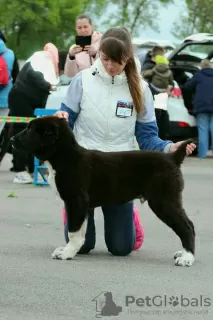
87 179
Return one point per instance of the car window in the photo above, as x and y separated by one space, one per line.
200 51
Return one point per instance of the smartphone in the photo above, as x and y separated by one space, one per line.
83 40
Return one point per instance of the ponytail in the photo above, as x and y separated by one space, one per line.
134 82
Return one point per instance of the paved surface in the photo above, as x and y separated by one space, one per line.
32 286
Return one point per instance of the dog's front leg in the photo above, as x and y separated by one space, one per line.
76 211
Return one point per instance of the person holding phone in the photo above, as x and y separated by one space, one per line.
84 52
106 106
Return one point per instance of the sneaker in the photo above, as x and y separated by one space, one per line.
138 229
23 178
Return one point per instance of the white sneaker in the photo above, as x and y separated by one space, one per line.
23 177
209 153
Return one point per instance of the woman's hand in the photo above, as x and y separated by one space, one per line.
75 49
62 114
189 148
91 50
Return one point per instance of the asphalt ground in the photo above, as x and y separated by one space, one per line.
143 284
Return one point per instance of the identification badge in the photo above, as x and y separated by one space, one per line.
124 109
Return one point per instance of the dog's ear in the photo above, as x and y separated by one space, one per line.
65 121
62 124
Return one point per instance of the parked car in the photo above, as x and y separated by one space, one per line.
184 63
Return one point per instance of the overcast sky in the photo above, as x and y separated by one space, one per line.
167 16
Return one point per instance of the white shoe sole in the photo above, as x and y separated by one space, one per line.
22 182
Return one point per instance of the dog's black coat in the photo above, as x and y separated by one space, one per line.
87 178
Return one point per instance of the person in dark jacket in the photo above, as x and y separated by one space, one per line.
149 61
36 79
202 86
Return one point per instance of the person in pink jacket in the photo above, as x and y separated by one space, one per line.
80 58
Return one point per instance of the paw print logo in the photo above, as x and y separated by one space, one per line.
174 301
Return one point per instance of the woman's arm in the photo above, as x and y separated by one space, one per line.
70 68
146 130
72 101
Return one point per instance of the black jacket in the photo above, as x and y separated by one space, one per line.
15 70
33 84
201 84
148 63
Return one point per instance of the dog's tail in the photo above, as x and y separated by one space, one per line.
180 154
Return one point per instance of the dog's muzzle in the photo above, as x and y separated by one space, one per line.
15 143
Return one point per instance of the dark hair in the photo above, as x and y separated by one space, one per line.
84 16
116 44
157 50
62 56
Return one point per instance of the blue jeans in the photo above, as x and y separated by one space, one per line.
119 230
204 125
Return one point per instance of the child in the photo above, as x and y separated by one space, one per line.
160 77
160 82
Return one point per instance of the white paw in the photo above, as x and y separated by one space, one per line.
64 253
184 258
178 254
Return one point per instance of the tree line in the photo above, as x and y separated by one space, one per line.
29 24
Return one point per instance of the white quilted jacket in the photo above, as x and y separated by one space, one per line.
97 126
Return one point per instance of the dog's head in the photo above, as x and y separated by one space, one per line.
41 137
108 295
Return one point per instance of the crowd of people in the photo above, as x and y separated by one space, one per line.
108 121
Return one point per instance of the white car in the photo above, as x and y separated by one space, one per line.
56 97
184 63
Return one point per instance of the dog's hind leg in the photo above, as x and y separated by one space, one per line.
77 210
171 212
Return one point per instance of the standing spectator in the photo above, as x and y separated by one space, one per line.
13 70
149 61
30 91
7 59
5 129
202 86
80 58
